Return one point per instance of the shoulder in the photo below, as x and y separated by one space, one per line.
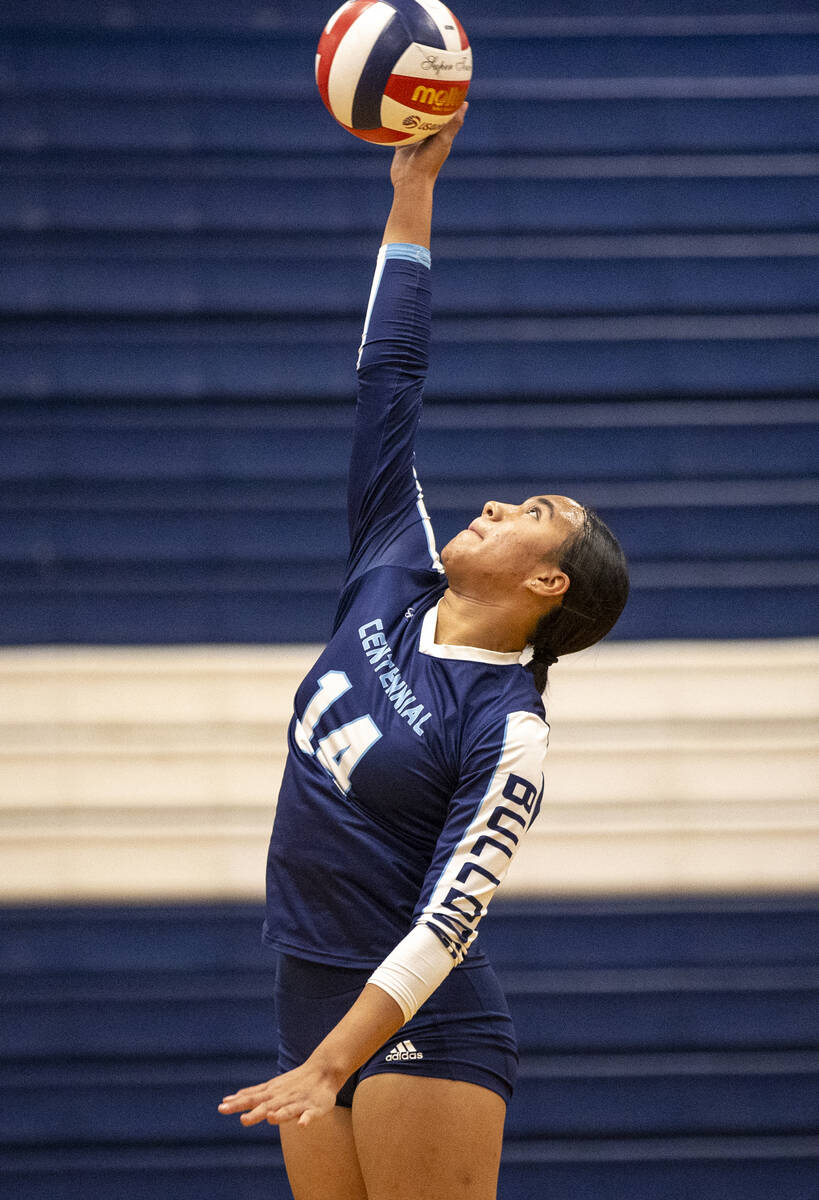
504 710
508 690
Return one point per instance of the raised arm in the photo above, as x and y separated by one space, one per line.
387 520
413 175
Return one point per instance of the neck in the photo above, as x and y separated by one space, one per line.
466 621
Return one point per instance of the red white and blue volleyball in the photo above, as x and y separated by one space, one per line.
393 71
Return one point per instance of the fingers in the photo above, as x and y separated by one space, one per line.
448 132
256 1115
277 1113
429 155
245 1098
256 1104
298 1110
445 136
455 122
277 1101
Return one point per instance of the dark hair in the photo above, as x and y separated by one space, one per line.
598 590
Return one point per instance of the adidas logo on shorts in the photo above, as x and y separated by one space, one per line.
403 1052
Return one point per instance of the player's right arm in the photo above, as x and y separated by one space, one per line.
413 174
387 519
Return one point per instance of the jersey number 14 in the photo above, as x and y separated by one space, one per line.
343 747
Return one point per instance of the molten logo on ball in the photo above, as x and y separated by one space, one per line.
440 99
373 68
423 98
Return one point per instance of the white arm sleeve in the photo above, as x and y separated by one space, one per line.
414 969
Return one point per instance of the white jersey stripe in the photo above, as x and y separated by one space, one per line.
437 565
480 861
379 271
405 250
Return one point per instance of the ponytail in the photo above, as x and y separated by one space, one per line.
597 594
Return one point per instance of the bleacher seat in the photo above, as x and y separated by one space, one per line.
188 242
666 1046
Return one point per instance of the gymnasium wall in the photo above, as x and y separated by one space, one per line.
627 310
674 767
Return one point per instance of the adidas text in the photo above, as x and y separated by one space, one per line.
403 1052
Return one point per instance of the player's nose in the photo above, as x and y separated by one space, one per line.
494 510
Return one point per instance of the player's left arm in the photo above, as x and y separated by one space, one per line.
498 797
309 1091
497 800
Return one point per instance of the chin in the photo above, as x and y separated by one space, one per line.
458 563
449 553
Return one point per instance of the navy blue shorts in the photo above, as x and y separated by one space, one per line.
463 1032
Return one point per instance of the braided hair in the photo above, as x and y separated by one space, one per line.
597 594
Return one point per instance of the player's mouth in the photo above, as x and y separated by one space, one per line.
473 528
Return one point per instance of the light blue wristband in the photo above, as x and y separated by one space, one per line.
409 251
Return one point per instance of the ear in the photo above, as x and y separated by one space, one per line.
550 583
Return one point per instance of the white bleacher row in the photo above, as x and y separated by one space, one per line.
142 774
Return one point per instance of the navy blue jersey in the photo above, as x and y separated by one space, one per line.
414 769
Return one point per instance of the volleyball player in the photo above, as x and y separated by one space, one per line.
415 767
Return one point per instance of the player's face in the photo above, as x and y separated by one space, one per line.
509 543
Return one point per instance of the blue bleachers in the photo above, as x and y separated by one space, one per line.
625 1096
663 1040
143 60
293 198
176 519
158 284
186 238
564 357
612 124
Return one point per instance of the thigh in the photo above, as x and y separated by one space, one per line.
420 1138
321 1160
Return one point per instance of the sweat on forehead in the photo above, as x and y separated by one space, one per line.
564 507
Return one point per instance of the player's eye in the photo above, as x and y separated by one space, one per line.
534 509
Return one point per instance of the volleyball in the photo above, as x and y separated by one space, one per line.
393 71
